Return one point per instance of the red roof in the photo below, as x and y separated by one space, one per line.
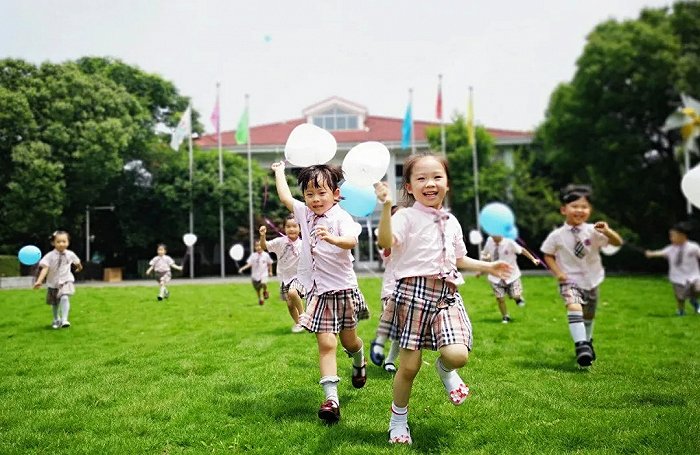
382 129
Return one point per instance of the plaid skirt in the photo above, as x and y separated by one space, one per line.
53 295
573 294
383 328
163 277
334 311
512 290
294 284
426 313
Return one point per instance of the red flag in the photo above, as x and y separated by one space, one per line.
438 105
215 115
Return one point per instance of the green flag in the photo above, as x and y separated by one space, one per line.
242 132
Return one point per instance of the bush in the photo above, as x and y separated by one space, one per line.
9 266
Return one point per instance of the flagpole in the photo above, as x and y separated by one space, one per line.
191 248
441 118
221 184
250 176
413 129
476 166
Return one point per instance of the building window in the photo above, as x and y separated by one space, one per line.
335 119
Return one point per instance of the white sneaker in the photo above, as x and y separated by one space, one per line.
65 324
56 324
296 328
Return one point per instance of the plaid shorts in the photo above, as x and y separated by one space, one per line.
258 284
163 277
573 294
686 291
294 284
513 290
426 313
334 311
53 295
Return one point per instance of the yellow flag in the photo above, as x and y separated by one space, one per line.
470 122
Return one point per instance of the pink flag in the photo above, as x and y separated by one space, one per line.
215 115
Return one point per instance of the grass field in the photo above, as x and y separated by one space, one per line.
210 371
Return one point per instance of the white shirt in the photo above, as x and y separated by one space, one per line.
388 278
59 267
418 243
287 256
688 270
161 264
259 263
329 267
586 272
507 252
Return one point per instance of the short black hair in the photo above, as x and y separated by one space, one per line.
573 192
165 247
319 173
53 235
684 227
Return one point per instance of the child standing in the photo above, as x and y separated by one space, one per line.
161 264
56 268
260 264
500 248
288 248
334 301
426 311
572 253
683 271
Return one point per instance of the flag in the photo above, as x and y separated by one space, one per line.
182 130
471 137
215 115
407 128
242 132
438 105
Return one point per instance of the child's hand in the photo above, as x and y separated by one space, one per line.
323 234
647 253
278 166
561 276
78 266
602 227
536 261
37 285
381 189
500 269
262 231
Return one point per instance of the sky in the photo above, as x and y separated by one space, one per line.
288 55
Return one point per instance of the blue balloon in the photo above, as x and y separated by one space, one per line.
357 200
498 219
512 233
29 255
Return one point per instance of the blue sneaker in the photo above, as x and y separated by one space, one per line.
376 353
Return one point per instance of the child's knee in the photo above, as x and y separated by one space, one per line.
456 355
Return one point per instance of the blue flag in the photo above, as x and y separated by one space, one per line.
407 128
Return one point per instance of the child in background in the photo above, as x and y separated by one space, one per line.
260 264
426 311
56 268
334 302
683 271
572 253
376 353
288 248
161 264
499 248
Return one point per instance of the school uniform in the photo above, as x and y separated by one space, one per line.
683 269
161 268
506 250
259 268
288 253
59 278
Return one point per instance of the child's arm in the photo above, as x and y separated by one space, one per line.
655 254
244 268
554 268
176 267
613 237
283 191
529 255
263 237
385 238
150 269
269 269
40 278
499 268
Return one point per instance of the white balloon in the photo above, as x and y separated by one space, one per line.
475 237
308 144
189 239
609 250
236 252
366 163
690 186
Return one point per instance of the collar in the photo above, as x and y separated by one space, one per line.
441 212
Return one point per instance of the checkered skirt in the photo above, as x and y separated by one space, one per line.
513 290
294 284
53 295
334 311
426 313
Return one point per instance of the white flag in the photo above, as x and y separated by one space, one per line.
182 130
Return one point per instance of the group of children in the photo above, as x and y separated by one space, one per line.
423 251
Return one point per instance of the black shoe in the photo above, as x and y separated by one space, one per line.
590 345
584 355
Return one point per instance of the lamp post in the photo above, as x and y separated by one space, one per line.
87 226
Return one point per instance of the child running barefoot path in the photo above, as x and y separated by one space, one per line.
334 301
161 264
426 312
56 268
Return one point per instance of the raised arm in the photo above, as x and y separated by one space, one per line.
385 238
613 237
283 191
263 237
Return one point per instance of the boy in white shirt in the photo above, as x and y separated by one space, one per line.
260 264
572 253
683 269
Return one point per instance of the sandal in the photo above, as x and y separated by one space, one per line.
359 376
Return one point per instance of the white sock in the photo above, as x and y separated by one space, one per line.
449 378
398 414
330 387
64 304
589 328
576 327
393 352
358 358
162 290
380 339
54 310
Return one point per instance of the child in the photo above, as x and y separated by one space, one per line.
683 270
376 353
260 264
426 310
56 268
287 248
162 264
572 253
334 301
496 248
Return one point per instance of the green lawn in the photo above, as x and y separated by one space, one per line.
211 371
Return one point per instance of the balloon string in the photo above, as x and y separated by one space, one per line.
273 226
524 245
